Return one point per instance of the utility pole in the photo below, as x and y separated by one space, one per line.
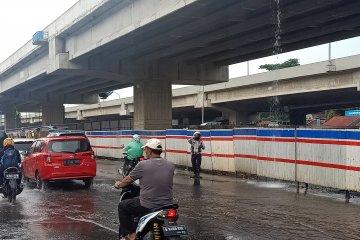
202 105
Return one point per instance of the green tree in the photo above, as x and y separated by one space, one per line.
292 62
329 114
270 116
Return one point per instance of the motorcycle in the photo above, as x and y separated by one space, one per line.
12 184
130 165
159 223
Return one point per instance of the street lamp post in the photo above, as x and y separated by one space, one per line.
117 94
202 105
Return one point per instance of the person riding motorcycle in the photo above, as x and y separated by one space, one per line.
133 150
10 158
156 187
3 136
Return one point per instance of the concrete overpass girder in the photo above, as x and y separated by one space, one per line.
33 69
292 86
177 29
176 72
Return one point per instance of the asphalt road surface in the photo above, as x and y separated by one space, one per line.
216 208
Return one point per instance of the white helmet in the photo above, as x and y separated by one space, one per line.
136 138
197 133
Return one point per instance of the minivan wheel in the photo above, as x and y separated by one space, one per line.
25 178
88 182
40 184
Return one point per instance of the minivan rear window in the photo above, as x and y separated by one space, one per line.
69 146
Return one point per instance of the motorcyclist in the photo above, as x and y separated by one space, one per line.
133 150
156 187
10 158
3 136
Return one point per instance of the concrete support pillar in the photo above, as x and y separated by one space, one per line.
152 104
152 88
56 47
124 111
53 113
11 120
177 73
79 115
297 117
235 118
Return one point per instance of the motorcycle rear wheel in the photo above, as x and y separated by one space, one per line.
13 195
9 196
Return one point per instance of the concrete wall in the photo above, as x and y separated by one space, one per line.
323 157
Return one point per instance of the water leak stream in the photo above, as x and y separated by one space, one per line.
275 107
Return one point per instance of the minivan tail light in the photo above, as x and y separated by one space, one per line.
92 155
48 159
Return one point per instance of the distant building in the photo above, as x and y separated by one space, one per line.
343 122
315 119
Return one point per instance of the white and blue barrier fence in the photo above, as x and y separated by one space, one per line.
108 143
324 157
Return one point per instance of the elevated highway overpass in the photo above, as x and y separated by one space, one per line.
300 89
102 45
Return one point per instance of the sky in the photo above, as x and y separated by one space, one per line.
20 19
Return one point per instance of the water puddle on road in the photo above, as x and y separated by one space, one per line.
217 207
92 222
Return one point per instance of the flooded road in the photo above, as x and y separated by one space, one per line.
217 208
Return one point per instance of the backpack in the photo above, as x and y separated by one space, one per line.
9 158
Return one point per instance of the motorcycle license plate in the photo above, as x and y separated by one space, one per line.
12 176
177 230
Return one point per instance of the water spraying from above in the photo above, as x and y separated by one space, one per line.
277 30
275 107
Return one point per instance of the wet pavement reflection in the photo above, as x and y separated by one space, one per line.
214 207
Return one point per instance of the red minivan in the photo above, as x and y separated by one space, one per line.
60 158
